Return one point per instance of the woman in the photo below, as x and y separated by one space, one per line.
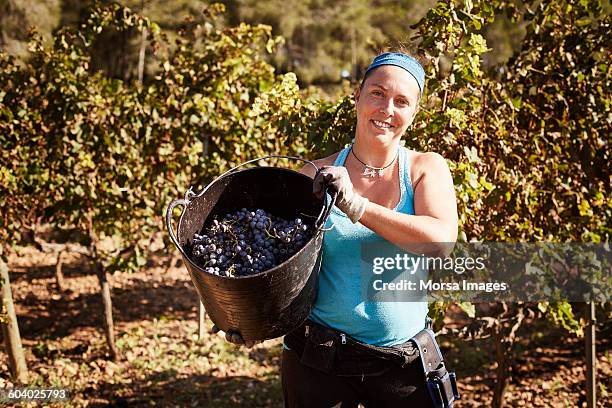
385 192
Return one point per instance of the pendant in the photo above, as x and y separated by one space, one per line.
372 172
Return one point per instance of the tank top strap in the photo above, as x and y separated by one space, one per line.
342 156
406 181
404 170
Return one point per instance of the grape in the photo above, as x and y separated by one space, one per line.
247 241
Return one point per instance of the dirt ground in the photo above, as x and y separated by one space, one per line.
163 363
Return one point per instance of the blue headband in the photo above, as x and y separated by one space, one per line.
404 61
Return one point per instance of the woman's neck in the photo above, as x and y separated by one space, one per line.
375 156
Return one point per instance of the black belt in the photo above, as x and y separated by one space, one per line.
335 352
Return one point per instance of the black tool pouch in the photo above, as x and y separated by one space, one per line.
441 384
320 349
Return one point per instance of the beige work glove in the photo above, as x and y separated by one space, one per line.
337 179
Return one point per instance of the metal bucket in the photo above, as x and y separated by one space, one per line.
272 303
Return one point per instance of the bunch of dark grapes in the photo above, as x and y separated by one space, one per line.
248 242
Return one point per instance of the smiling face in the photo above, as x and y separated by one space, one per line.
386 104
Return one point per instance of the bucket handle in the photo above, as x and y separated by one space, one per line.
320 222
262 158
327 207
173 204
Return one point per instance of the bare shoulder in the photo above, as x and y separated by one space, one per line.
310 171
426 164
426 159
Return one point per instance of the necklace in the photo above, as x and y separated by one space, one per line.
372 171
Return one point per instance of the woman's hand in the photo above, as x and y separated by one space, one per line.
236 338
337 179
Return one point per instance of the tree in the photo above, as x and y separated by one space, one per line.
20 193
10 327
322 38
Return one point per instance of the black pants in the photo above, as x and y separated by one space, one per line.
305 387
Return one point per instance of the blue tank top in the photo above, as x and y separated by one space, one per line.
340 303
